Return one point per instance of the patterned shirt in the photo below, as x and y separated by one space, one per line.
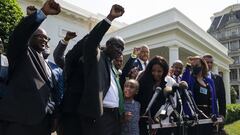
131 127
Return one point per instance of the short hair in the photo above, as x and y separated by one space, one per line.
115 40
177 61
144 46
207 55
134 82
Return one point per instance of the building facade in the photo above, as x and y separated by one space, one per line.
225 28
71 18
169 34
174 36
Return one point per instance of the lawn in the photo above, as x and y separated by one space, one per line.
233 128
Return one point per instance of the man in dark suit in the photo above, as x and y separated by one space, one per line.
88 78
58 53
139 58
219 87
25 109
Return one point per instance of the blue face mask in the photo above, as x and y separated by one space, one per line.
196 70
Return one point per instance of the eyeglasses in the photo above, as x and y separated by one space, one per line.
41 36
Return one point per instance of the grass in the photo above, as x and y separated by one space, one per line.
233 128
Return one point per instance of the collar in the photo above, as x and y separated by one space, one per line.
142 62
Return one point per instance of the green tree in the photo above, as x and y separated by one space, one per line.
10 15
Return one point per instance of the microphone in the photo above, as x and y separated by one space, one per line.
168 93
155 95
190 101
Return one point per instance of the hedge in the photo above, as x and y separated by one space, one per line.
233 113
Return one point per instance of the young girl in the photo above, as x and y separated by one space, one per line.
132 109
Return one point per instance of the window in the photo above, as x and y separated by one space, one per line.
227 33
236 59
234 31
225 45
234 45
233 74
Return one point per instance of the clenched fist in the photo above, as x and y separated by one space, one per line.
115 12
51 7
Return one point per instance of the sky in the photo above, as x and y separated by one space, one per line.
199 11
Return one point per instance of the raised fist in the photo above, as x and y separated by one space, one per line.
31 10
115 12
50 7
70 35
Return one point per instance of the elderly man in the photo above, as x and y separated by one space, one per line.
26 107
92 100
138 59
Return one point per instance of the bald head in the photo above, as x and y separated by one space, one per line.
39 40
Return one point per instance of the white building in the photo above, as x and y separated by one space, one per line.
174 36
169 34
71 18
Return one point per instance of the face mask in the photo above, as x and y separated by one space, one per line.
196 70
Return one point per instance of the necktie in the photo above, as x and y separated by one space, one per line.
120 93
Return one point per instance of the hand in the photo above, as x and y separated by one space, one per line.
50 7
189 60
50 107
127 116
136 51
70 35
115 12
31 10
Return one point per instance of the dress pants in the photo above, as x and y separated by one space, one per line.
13 128
107 124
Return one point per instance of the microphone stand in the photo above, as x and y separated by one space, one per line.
180 120
150 122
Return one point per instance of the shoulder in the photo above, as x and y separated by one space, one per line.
169 81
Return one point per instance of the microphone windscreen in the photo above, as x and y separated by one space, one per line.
167 90
183 85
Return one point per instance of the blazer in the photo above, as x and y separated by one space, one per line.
58 84
220 93
189 78
28 89
131 63
84 81
58 54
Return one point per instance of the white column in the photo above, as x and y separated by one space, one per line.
215 69
173 54
238 75
226 80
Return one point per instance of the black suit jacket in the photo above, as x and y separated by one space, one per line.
131 63
58 54
220 92
27 90
83 67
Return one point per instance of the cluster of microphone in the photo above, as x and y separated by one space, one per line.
176 96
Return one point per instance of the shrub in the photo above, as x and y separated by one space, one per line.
10 15
233 113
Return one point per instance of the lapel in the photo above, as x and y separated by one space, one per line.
139 64
213 77
39 63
